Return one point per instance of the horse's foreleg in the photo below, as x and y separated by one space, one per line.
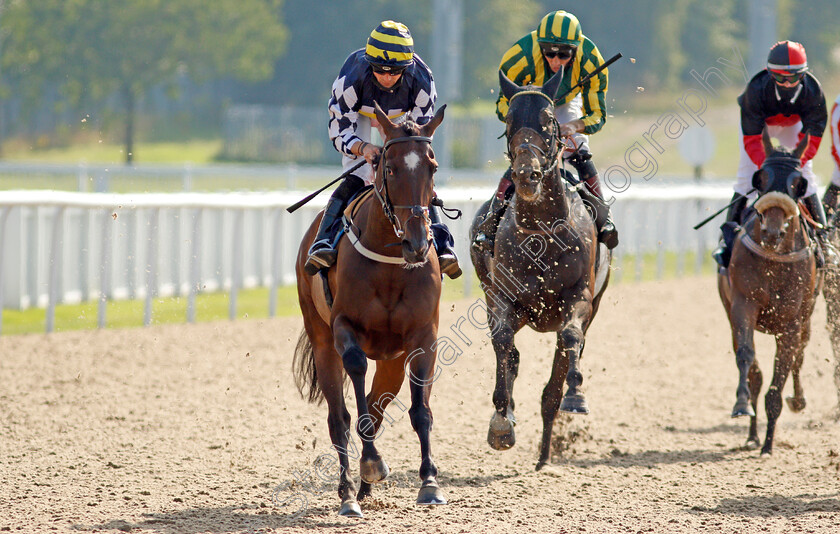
743 319
787 345
371 466
551 396
386 385
572 338
421 367
500 435
755 380
797 402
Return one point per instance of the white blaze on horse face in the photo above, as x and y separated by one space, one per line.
412 160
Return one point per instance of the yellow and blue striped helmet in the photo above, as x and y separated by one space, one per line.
559 27
390 45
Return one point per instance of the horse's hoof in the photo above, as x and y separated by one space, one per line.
430 494
373 471
350 508
766 453
500 435
540 465
575 404
742 409
796 404
752 444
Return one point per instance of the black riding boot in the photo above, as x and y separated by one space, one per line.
829 254
591 194
728 229
830 202
322 254
443 245
485 237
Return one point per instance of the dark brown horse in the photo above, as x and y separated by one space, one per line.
771 286
546 270
386 292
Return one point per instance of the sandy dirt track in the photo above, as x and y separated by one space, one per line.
195 428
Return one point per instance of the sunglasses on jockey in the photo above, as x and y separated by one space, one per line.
385 69
558 51
779 77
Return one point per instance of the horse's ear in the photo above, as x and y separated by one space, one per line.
429 128
766 142
761 180
383 119
801 146
553 84
508 87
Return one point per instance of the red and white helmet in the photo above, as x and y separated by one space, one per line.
787 57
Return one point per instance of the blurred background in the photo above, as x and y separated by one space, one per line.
247 81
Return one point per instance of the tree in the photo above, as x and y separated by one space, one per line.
91 49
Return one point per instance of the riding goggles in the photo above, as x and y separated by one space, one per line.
393 71
558 51
778 77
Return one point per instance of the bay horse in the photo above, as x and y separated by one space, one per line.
385 290
771 285
546 270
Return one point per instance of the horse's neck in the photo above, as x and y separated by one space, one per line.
375 230
551 206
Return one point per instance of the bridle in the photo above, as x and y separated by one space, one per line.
382 194
553 142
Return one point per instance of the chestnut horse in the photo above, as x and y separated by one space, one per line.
771 285
546 271
385 291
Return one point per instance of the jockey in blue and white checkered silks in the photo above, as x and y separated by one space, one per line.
387 72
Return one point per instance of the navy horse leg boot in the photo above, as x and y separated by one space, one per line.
322 255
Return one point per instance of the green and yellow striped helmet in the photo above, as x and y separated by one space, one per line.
559 27
390 45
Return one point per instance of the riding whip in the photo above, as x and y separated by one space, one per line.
718 212
590 75
309 197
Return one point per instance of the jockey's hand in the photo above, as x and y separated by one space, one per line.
371 153
568 129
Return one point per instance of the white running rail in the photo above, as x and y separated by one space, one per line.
67 247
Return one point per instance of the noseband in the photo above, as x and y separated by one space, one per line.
382 194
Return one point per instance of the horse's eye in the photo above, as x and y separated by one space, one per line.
389 170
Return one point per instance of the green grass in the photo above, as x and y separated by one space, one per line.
251 304
198 152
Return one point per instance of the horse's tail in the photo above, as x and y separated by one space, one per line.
306 374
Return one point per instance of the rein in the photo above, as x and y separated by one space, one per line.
790 257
